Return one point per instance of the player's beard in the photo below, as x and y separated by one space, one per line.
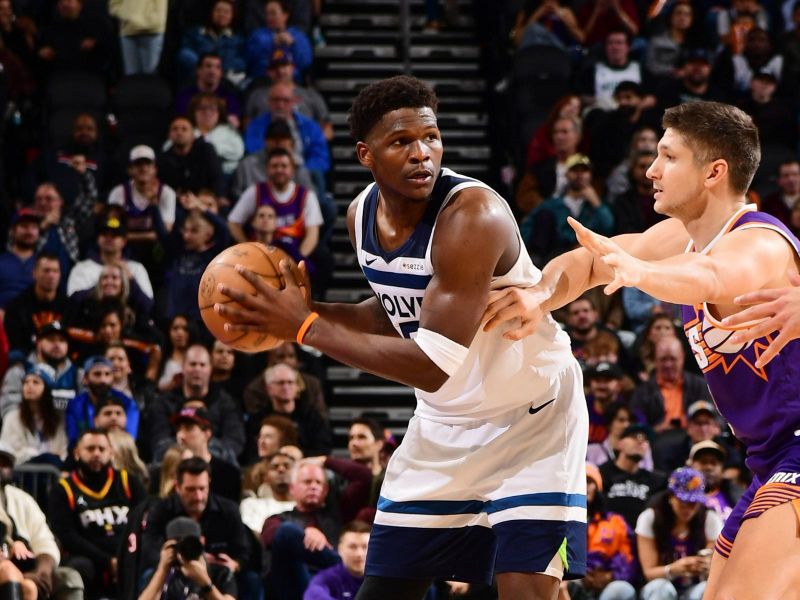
637 458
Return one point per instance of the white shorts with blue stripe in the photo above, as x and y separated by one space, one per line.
506 494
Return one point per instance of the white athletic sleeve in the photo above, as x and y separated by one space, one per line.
312 214
444 352
644 524
245 207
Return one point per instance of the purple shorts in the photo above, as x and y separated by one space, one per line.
780 485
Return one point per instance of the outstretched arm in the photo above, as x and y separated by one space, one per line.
568 276
453 305
742 261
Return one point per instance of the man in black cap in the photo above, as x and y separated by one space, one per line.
52 348
771 112
628 486
16 264
112 231
604 381
182 571
693 84
722 494
193 433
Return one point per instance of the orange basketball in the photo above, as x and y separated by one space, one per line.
262 260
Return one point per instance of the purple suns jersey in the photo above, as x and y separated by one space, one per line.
761 405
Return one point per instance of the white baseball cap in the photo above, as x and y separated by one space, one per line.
142 152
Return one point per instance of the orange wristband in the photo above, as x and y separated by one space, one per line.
301 333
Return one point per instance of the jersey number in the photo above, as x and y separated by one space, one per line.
699 353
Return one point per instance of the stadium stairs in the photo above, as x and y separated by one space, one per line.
365 41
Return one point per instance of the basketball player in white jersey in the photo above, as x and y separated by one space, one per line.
490 474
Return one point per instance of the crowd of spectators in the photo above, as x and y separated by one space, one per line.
166 438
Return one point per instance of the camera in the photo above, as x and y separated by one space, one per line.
189 548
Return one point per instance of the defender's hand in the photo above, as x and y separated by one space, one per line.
628 271
512 303
771 310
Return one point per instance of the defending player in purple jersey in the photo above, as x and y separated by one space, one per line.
714 249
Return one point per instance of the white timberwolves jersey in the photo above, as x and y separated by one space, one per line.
497 375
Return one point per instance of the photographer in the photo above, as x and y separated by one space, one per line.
226 540
182 570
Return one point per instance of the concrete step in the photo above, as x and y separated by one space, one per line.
345 260
420 68
439 52
383 19
439 84
355 51
348 294
447 36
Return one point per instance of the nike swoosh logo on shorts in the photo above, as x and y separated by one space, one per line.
533 410
369 262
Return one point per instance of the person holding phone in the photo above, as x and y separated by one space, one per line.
674 537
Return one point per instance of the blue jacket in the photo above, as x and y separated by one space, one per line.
80 415
261 44
229 46
315 146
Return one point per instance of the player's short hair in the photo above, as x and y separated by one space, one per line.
356 526
714 130
384 96
372 424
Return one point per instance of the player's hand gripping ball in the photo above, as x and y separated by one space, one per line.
262 260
